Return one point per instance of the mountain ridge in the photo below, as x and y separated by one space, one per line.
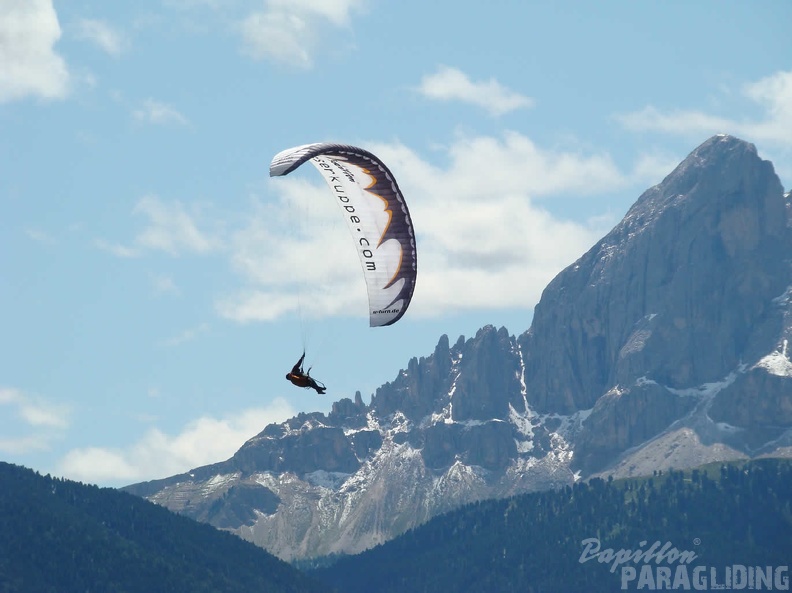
665 343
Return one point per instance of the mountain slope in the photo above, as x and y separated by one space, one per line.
665 345
727 515
58 535
682 308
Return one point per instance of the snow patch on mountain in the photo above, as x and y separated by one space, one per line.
777 362
707 391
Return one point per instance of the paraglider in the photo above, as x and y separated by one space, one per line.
376 215
302 378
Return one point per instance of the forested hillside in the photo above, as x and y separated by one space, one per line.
61 536
724 514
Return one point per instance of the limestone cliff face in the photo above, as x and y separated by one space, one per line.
666 344
688 287
680 290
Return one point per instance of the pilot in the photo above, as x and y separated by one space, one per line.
301 378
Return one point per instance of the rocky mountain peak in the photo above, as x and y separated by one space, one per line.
693 264
723 173
665 345
478 374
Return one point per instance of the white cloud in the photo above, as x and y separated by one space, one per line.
773 94
187 335
164 285
191 4
294 255
652 168
338 12
676 122
29 65
44 414
157 454
10 396
171 228
266 304
158 113
25 444
451 84
279 37
97 465
40 236
117 249
515 164
40 420
35 411
289 31
484 241
103 35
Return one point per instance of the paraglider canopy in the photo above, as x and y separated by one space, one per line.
376 215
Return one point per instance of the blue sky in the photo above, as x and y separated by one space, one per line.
155 283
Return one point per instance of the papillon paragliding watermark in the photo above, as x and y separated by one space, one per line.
662 566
